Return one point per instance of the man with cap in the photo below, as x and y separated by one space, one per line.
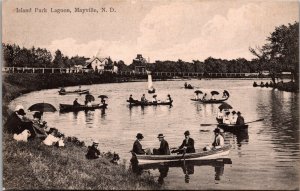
137 146
16 123
240 120
93 152
187 144
233 118
219 140
164 146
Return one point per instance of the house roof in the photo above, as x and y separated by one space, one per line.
101 59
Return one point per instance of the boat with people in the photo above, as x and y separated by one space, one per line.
232 127
211 100
72 108
86 91
188 86
225 97
198 155
140 103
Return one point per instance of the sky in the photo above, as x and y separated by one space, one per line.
159 30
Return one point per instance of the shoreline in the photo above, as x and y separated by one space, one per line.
33 165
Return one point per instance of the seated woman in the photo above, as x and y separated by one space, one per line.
51 139
39 127
226 118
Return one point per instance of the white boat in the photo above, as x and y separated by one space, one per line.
200 155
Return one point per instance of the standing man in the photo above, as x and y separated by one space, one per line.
240 119
137 146
187 143
164 146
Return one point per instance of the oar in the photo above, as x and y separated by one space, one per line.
219 124
184 151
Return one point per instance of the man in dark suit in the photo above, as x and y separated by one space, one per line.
240 119
187 143
164 146
15 122
137 146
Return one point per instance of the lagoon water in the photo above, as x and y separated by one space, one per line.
265 157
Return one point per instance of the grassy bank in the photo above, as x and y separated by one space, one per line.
33 165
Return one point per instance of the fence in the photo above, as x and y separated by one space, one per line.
50 70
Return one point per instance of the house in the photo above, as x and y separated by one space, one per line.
97 63
139 63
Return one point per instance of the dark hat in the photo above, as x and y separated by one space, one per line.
239 112
228 112
233 112
37 115
130 94
169 95
21 112
139 136
217 130
160 135
186 133
95 144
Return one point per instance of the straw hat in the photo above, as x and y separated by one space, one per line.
160 135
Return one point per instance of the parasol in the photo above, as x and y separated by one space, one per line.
225 106
102 96
89 97
225 92
198 92
42 107
214 93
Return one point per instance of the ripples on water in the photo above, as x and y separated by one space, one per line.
264 157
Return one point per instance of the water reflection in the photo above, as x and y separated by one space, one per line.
188 168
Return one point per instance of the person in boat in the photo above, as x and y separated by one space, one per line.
154 99
187 144
62 89
204 96
75 102
102 100
225 94
185 85
89 104
79 89
40 127
131 99
169 99
143 99
164 146
219 140
233 118
190 86
137 146
93 152
240 119
220 114
226 118
213 97
197 96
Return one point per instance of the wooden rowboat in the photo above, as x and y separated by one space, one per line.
232 127
139 103
200 155
71 108
73 92
211 100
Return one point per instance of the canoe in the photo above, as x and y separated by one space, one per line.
211 100
200 155
70 108
74 92
205 162
139 103
232 127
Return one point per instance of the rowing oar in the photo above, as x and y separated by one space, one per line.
220 124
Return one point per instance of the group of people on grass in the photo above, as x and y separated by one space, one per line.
25 128
234 118
154 99
187 145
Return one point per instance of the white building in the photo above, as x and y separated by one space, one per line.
96 63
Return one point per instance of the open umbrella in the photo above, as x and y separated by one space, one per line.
42 107
198 92
102 96
89 97
154 96
214 93
225 106
225 92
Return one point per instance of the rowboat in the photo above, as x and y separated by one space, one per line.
151 91
189 87
211 100
232 127
200 155
139 103
70 108
73 92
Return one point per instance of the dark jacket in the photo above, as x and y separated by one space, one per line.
240 120
15 125
137 148
189 145
75 103
93 153
163 149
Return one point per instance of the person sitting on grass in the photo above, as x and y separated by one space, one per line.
93 152
51 139
40 127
